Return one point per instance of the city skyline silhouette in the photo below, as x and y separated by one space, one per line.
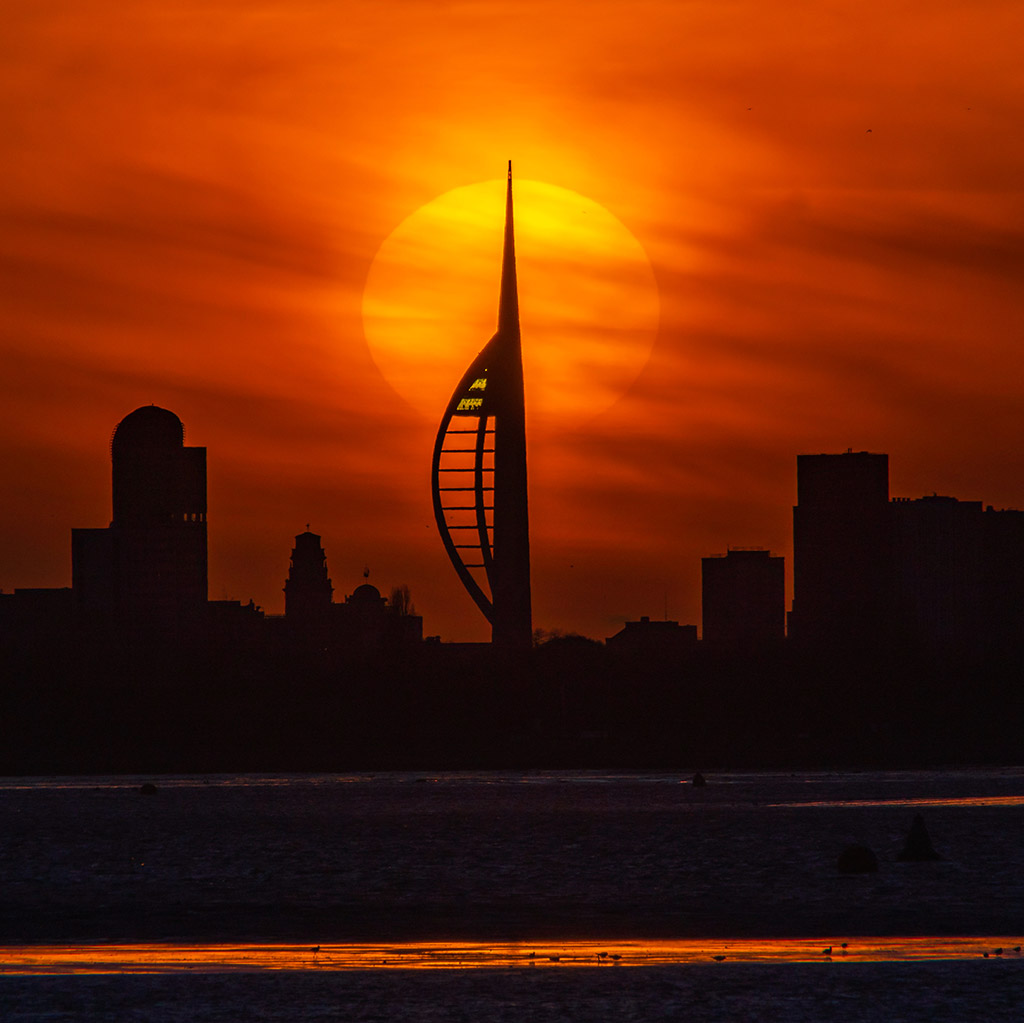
903 644
206 249
934 574
659 656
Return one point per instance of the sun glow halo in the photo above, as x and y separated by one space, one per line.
588 300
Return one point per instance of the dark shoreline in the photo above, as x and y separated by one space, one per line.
90 706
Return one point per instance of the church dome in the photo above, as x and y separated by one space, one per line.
148 427
365 594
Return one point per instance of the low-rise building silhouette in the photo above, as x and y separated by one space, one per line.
364 624
654 638
37 614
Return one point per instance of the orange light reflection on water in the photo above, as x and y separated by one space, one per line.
214 958
937 801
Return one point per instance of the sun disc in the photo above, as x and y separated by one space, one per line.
588 300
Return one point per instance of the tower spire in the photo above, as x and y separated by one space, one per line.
508 303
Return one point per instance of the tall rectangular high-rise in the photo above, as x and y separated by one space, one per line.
939 574
743 599
841 547
1003 579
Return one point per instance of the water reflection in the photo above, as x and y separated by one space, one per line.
216 958
944 801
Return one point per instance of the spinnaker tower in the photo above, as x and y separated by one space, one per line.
478 475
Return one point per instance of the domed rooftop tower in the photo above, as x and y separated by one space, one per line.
157 480
151 564
149 426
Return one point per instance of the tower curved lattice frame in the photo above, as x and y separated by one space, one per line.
478 474
463 485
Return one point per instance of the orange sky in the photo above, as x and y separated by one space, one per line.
193 194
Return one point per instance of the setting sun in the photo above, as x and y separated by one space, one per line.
588 298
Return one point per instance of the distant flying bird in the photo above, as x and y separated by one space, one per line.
868 130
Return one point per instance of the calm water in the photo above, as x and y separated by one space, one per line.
541 857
